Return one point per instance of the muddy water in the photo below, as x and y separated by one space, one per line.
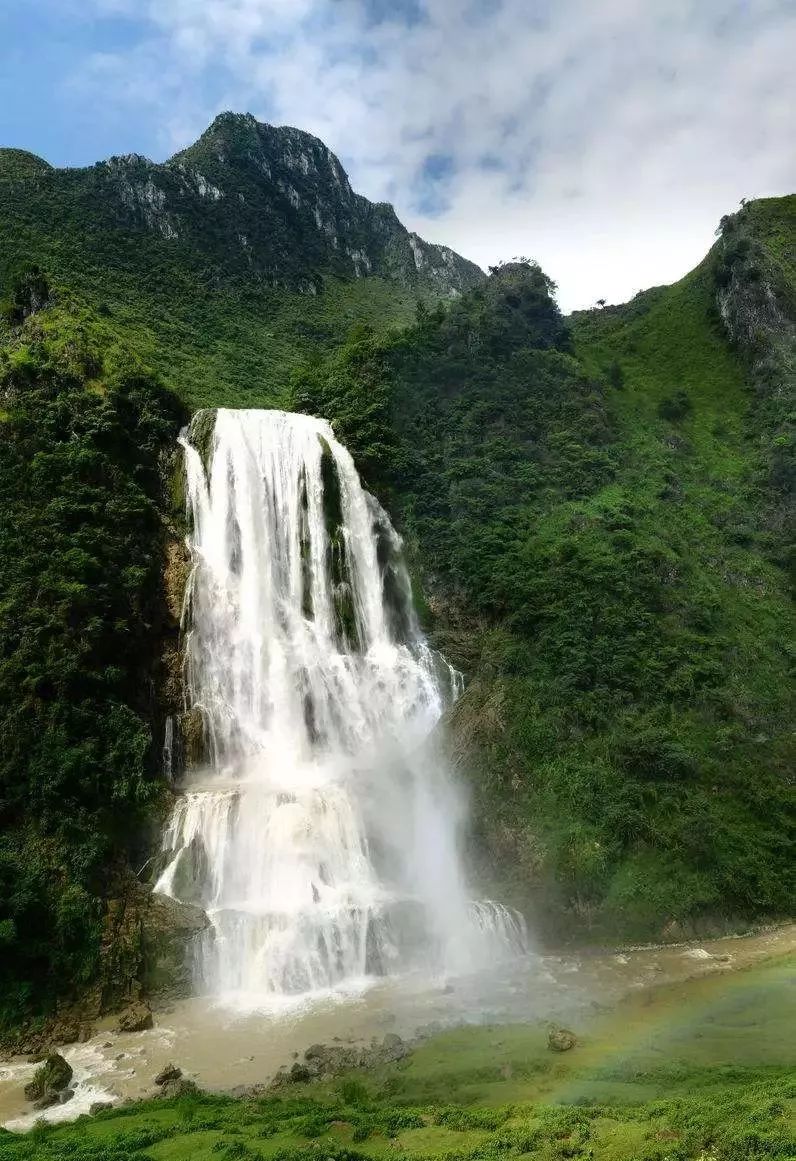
222 1048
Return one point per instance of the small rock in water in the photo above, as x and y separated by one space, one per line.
168 1072
98 1106
67 1032
561 1039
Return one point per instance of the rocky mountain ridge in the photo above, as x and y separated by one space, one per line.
269 204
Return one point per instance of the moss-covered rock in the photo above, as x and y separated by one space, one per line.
49 1079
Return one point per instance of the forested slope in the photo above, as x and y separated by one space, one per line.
598 511
82 617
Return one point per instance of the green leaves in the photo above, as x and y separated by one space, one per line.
80 578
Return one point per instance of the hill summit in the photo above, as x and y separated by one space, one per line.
228 264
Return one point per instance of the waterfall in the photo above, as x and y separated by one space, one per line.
321 834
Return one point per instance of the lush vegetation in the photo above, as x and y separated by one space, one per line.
679 1078
588 508
80 614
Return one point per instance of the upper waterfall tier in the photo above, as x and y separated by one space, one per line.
322 835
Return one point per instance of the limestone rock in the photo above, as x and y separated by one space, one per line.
177 1087
168 928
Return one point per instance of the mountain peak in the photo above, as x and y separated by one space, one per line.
289 181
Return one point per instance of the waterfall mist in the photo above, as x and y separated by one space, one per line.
321 835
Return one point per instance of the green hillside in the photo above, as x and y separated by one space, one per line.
591 510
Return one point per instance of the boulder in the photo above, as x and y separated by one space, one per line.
167 1073
49 1081
65 1031
177 1087
561 1039
136 1018
45 1102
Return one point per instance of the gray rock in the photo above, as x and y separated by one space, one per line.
169 928
136 1018
167 1073
48 1081
178 1087
45 1102
561 1040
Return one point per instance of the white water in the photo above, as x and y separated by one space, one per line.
322 836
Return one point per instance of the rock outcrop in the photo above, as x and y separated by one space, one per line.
50 1082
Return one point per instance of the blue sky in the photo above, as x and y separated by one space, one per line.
603 139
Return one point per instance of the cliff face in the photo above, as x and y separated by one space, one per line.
592 509
597 508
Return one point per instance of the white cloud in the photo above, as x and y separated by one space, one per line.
622 131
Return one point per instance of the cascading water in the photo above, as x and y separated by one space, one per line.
322 836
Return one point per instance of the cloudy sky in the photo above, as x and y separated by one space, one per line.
603 138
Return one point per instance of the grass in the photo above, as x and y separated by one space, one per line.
696 1071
